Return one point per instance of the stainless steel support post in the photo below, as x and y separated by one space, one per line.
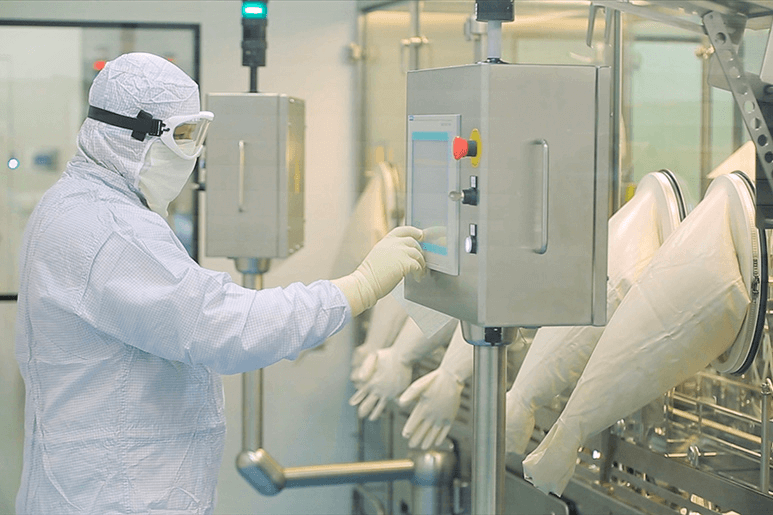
252 410
738 129
252 390
704 53
391 456
359 56
618 63
488 430
252 270
767 390
432 483
414 49
494 39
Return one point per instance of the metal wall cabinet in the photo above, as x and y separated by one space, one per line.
255 175
543 188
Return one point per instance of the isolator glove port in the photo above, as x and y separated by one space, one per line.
387 372
391 259
439 395
558 355
687 309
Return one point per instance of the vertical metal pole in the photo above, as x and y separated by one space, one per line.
494 40
415 12
617 110
391 456
700 405
479 39
253 79
704 52
767 389
432 483
739 129
360 102
430 500
252 390
488 430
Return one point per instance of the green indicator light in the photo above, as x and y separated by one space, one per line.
254 10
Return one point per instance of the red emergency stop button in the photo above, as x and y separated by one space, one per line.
465 148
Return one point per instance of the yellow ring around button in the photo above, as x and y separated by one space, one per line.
475 136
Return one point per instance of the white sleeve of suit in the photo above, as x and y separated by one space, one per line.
149 294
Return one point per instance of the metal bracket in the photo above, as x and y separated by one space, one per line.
646 11
608 14
725 33
415 42
474 29
462 496
355 52
766 390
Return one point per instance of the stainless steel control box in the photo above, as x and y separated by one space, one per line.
254 175
526 243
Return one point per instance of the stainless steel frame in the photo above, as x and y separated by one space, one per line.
724 22
431 473
704 448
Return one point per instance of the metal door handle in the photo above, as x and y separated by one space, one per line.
543 246
241 175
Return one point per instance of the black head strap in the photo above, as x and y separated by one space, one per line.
144 124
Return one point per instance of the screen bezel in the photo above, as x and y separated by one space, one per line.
450 125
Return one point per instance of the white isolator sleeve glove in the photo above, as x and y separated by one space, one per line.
439 395
686 310
387 372
391 259
386 321
558 355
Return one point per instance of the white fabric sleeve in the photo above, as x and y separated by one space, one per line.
149 294
686 309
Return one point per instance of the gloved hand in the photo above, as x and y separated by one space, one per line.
387 372
439 394
391 259
386 321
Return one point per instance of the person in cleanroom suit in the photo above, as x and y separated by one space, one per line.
121 337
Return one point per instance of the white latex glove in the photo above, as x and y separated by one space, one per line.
387 372
391 259
686 310
439 394
386 321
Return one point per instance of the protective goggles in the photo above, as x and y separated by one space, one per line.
184 135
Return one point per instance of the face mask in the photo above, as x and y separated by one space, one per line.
163 176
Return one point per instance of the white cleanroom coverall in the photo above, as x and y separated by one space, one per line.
121 336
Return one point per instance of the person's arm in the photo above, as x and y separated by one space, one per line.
149 294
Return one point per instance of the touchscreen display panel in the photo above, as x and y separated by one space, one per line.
431 154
